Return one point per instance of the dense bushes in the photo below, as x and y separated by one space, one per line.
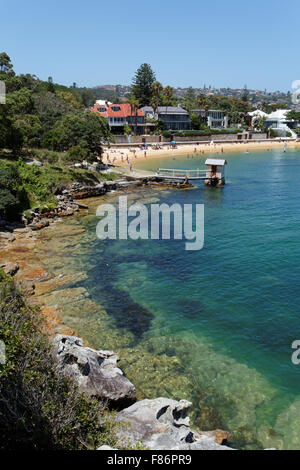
13 197
273 133
23 186
39 409
86 131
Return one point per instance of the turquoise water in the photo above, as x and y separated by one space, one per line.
228 312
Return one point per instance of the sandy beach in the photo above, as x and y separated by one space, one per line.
125 155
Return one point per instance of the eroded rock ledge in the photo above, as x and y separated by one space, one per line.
160 424
94 372
163 424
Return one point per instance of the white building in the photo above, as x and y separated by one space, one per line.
257 114
215 118
276 120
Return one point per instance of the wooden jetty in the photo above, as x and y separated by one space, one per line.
213 175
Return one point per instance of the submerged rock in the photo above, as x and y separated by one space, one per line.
163 424
94 372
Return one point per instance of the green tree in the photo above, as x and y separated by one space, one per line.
31 128
259 123
157 90
245 95
10 137
168 93
12 195
20 102
142 84
134 106
127 130
50 86
196 121
88 130
295 115
203 103
189 100
5 64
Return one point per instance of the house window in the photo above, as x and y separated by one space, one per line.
116 109
101 109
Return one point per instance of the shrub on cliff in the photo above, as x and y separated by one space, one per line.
39 409
12 195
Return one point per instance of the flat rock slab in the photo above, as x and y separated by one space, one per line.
163 424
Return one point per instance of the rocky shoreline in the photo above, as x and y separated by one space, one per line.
160 423
68 199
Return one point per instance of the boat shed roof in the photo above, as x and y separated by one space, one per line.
215 161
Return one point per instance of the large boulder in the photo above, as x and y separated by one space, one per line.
163 424
94 372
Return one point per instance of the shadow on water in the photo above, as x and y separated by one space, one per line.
118 304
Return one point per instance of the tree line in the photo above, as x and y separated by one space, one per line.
42 114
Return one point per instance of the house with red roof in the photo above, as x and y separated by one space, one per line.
119 115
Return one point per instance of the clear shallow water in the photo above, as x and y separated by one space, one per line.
214 326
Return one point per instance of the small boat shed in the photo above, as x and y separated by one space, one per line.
215 171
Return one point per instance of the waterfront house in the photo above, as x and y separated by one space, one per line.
276 121
173 118
214 118
256 115
119 115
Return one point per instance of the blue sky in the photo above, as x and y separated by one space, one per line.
188 43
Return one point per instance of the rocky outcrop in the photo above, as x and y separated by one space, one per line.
163 424
10 268
67 202
80 191
94 372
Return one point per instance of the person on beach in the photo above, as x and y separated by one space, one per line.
145 154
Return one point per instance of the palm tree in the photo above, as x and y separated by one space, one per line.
203 104
169 95
134 106
157 89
